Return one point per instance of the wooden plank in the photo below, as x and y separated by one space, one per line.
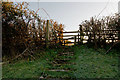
71 39
69 42
101 34
69 35
68 39
102 30
91 39
71 32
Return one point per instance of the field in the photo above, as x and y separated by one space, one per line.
69 62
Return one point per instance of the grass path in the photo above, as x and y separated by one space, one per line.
84 63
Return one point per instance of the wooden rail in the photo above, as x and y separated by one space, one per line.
71 32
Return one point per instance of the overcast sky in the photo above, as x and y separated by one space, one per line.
63 0
71 14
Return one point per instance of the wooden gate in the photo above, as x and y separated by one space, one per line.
81 37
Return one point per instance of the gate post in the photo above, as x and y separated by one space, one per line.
75 40
81 34
47 34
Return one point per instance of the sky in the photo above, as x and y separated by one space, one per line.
62 0
71 14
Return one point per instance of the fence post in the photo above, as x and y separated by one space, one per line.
95 40
75 40
78 38
47 34
64 42
60 43
89 38
81 34
113 39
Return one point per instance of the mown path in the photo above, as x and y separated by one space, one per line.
60 60
61 64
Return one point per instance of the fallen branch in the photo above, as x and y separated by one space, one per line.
31 55
16 56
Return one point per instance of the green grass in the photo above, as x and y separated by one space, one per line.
94 64
28 69
89 63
